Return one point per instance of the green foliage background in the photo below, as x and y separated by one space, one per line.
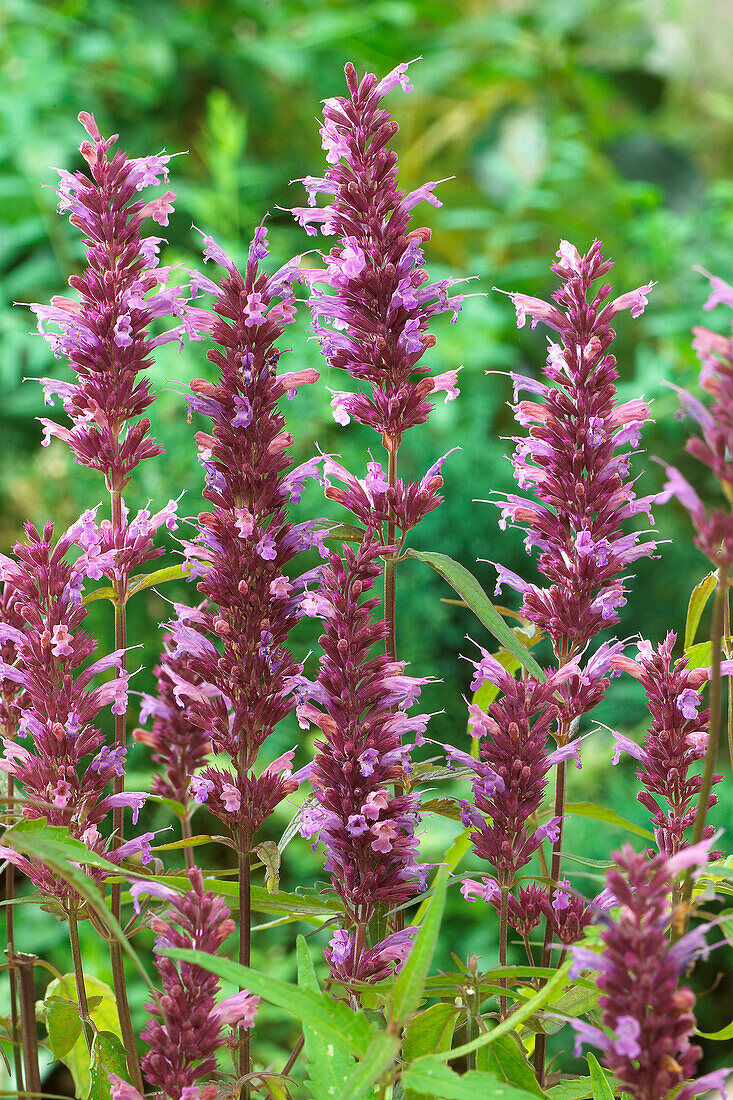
554 118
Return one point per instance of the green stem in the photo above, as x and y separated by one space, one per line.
503 923
28 1027
10 952
186 834
721 598
390 567
245 946
81 990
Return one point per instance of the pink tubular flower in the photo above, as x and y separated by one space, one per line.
185 1029
646 1014
575 459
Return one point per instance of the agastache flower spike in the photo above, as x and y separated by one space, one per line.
368 833
179 745
714 529
576 458
66 768
186 1028
105 335
647 1015
241 678
372 304
676 740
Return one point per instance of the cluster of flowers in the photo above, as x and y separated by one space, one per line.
227 676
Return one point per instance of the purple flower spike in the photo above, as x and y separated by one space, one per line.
647 1013
368 832
105 335
676 740
185 1029
576 459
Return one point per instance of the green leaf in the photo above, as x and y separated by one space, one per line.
64 1024
602 813
580 1088
410 985
506 1060
382 1051
718 1036
427 1032
159 576
429 1077
108 1056
339 532
350 1031
269 855
699 655
101 594
103 1015
701 593
328 1067
601 1088
469 589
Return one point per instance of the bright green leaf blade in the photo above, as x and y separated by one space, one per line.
469 589
348 1030
506 1060
108 1056
382 1052
701 593
339 532
699 655
328 1067
101 594
427 1032
610 817
601 1088
64 1024
431 1077
718 1036
159 576
103 1015
410 985
579 1088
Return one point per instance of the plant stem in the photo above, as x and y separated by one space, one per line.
186 834
503 922
10 952
28 1026
721 598
728 648
81 989
245 945
115 947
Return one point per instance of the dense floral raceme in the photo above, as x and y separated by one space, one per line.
575 458
179 746
373 320
10 689
64 767
236 678
676 740
368 832
714 528
187 1025
106 335
645 1011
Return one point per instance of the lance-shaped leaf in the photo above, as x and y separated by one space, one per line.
701 593
329 1068
429 1077
410 985
469 589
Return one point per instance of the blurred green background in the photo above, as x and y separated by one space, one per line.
555 118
